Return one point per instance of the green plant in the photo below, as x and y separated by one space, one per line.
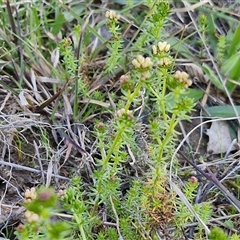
166 91
39 224
163 88
115 44
218 233
227 55
221 47
76 203
225 49
124 190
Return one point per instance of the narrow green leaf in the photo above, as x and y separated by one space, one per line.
230 69
78 10
231 66
195 94
223 111
58 23
212 33
212 76
69 12
235 43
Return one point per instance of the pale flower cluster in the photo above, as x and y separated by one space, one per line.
145 75
165 62
61 193
142 62
124 79
112 15
30 195
31 216
121 112
161 47
183 77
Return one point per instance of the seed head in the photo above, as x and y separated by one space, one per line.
30 194
161 47
31 217
165 62
142 62
112 15
183 77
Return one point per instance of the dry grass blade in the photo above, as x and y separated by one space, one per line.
4 163
190 7
13 26
211 177
100 103
39 161
68 140
47 102
49 173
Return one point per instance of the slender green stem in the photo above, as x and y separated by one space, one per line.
122 129
169 132
79 222
113 147
133 95
154 92
172 125
83 233
164 88
141 26
161 99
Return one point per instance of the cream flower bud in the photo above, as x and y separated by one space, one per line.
124 79
189 82
120 112
165 62
177 74
140 59
112 15
145 75
141 62
147 63
183 77
163 46
30 194
31 216
167 48
154 49
135 63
